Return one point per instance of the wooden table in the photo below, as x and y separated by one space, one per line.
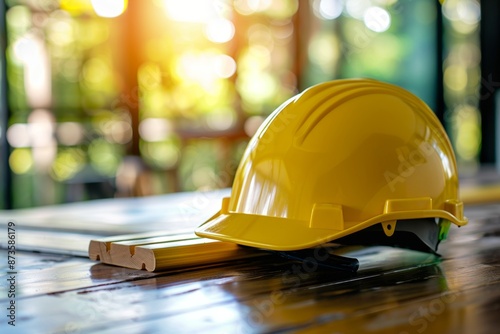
394 291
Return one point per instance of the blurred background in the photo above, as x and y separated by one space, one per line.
117 98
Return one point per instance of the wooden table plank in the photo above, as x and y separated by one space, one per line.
395 291
244 296
68 228
111 217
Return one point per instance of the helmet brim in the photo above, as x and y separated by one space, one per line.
270 232
265 232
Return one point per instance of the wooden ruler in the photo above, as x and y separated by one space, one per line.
159 251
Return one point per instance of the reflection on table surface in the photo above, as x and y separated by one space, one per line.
394 291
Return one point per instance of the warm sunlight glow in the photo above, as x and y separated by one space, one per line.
31 52
328 9
377 19
219 30
191 10
109 8
224 66
155 129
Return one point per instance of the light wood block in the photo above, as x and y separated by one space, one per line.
162 251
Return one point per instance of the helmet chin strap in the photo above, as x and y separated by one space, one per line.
416 234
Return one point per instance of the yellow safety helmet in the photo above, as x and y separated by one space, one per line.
342 157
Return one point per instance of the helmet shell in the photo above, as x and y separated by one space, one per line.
337 158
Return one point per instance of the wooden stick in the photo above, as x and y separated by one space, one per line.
161 251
